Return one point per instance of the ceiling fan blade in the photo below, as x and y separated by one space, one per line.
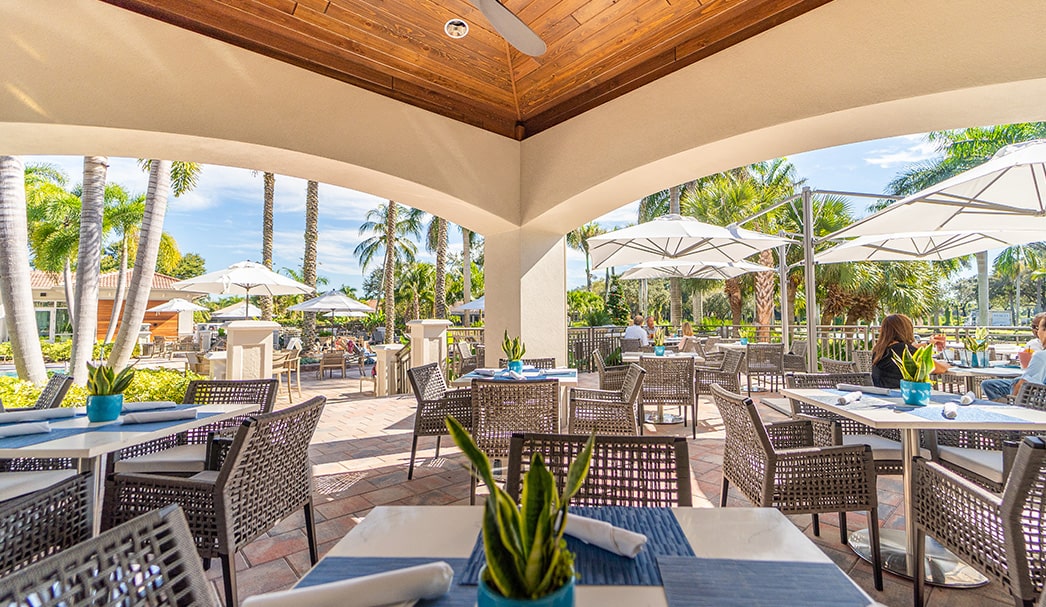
517 33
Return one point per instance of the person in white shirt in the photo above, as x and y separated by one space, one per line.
636 331
999 389
1035 344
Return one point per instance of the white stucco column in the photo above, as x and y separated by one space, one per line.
249 349
428 341
385 369
526 292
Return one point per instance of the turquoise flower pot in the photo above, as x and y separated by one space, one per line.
488 597
744 341
916 393
515 365
104 408
659 350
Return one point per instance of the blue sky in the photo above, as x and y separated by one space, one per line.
221 218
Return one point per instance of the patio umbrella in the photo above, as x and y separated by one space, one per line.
334 303
677 237
242 278
177 305
912 246
715 270
235 311
476 305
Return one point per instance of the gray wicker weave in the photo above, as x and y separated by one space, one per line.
795 358
435 403
727 376
146 562
266 477
606 411
45 522
765 361
538 363
467 361
54 392
644 471
610 378
830 365
886 444
797 467
502 408
1002 536
669 382
631 344
863 358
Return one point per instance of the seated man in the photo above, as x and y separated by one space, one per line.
999 389
636 331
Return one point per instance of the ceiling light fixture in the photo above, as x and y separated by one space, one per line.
456 28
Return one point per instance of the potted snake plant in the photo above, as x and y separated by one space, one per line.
105 388
658 340
915 375
514 350
527 561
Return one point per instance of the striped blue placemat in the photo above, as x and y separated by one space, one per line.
963 414
335 568
28 440
703 582
597 567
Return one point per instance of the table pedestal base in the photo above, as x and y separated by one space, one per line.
663 418
942 567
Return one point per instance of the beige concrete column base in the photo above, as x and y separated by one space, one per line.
249 349
385 370
428 341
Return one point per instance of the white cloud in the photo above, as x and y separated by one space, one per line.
621 216
919 150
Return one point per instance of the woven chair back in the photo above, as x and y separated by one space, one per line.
863 358
537 363
54 392
765 358
831 365
1032 395
45 522
712 343
464 349
733 360
669 380
501 408
644 471
233 391
825 381
630 344
427 382
633 383
267 474
799 347
746 447
1022 511
148 561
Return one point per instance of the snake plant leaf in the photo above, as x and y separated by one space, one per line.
533 499
477 458
578 469
501 565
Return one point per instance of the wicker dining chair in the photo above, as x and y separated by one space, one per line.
501 408
467 359
537 363
1000 535
765 361
52 511
435 403
54 392
726 375
287 362
631 344
863 358
610 378
266 477
795 358
606 411
331 361
186 453
797 467
145 562
669 382
830 365
885 444
643 471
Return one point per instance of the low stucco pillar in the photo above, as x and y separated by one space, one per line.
249 349
526 292
385 369
428 341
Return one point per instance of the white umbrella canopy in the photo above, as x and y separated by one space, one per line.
715 270
677 237
244 278
334 303
934 246
476 305
240 309
1007 192
177 305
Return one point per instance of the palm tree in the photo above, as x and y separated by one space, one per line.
15 288
54 231
88 266
436 241
389 237
415 281
162 175
1014 263
123 214
577 239
308 268
269 179
466 264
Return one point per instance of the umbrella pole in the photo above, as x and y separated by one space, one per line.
782 279
811 286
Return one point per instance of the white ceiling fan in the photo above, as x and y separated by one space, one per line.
514 31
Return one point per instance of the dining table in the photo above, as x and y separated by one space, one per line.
89 443
734 557
888 412
973 376
633 357
566 377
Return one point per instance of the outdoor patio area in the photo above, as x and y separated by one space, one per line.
360 454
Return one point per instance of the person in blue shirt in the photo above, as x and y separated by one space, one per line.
999 389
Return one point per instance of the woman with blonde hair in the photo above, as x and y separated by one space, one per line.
896 335
689 341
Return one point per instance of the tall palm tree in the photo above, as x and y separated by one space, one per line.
123 214
577 239
416 282
54 231
162 175
389 237
269 180
466 264
1015 263
436 241
88 266
308 268
15 289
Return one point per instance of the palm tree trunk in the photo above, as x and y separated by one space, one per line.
308 270
15 290
121 291
67 286
732 288
269 180
1017 297
390 267
88 266
466 264
441 269
144 262
764 297
588 268
983 312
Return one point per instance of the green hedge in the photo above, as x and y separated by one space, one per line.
62 351
148 384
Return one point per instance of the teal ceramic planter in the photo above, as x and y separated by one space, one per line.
515 365
659 350
488 597
744 341
104 408
915 393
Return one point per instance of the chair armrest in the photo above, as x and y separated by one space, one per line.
1009 455
218 445
465 393
938 494
790 434
826 432
594 395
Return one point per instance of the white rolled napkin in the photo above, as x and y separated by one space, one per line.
25 428
864 389
951 410
968 398
849 397
26 415
146 417
428 581
606 536
515 375
148 406
486 372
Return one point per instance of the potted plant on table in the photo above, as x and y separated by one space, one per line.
658 340
527 561
977 345
105 388
915 373
514 350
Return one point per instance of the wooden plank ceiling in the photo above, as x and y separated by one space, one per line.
597 49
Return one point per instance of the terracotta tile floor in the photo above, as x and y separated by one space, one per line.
362 448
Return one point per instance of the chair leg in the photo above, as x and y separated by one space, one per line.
437 445
413 451
723 494
877 553
229 579
310 531
817 525
920 567
206 564
842 528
